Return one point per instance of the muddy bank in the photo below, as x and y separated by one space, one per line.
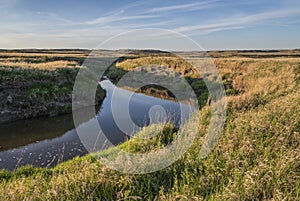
15 104
35 93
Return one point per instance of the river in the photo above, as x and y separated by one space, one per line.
47 141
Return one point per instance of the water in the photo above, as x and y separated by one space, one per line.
45 142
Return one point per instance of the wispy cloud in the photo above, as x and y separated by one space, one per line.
26 27
239 21
117 17
183 7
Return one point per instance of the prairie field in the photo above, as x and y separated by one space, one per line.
256 158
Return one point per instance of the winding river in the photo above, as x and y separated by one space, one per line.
45 142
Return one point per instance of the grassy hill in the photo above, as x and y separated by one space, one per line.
256 158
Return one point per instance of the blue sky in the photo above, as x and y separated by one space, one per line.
214 24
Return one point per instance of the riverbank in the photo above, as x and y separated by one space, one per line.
256 158
38 84
48 141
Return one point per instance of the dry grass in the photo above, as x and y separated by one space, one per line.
257 157
22 55
176 63
44 66
258 80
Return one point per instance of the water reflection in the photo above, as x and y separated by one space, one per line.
45 142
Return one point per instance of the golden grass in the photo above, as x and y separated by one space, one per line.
257 157
176 63
44 66
16 54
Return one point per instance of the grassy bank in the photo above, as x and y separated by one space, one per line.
256 158
35 84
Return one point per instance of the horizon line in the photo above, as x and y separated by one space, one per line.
210 50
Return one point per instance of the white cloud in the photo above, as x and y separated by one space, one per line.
239 21
182 7
117 17
51 30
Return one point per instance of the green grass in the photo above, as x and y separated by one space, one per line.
12 74
256 158
47 91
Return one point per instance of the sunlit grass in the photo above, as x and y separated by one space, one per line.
256 158
45 65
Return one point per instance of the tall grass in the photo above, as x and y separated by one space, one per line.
257 157
43 66
178 64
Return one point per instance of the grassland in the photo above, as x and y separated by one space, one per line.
38 83
256 158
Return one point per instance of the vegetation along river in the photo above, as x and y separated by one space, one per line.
45 142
